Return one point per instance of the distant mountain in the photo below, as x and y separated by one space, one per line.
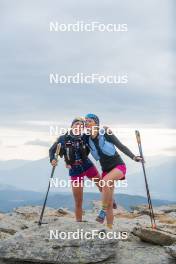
5 187
161 180
12 164
34 176
125 200
10 199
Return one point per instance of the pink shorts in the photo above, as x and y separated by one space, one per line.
90 173
121 167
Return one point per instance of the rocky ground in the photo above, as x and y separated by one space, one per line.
23 241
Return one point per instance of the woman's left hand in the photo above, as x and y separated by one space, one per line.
138 159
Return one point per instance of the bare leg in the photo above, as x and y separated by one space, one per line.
109 179
107 196
78 197
97 179
109 213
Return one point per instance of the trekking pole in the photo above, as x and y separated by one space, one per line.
146 183
52 174
152 216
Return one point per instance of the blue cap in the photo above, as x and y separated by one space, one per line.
94 117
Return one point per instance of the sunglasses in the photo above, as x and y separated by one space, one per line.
78 123
89 121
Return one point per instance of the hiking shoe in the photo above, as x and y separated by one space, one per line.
101 217
114 205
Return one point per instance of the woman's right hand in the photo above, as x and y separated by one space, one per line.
138 159
54 162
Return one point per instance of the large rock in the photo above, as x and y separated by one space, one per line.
25 217
138 252
23 241
160 210
31 213
154 236
171 250
34 244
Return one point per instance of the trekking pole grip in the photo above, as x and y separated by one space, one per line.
58 150
138 137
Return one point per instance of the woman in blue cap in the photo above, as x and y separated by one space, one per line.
102 147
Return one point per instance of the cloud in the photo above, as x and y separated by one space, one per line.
171 150
38 142
29 53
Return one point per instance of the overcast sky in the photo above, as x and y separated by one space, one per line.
29 53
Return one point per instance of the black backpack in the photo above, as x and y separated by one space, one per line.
71 145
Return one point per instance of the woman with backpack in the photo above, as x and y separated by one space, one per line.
74 149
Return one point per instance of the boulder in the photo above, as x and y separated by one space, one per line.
44 244
25 217
10 224
23 241
171 250
160 210
154 236
33 212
